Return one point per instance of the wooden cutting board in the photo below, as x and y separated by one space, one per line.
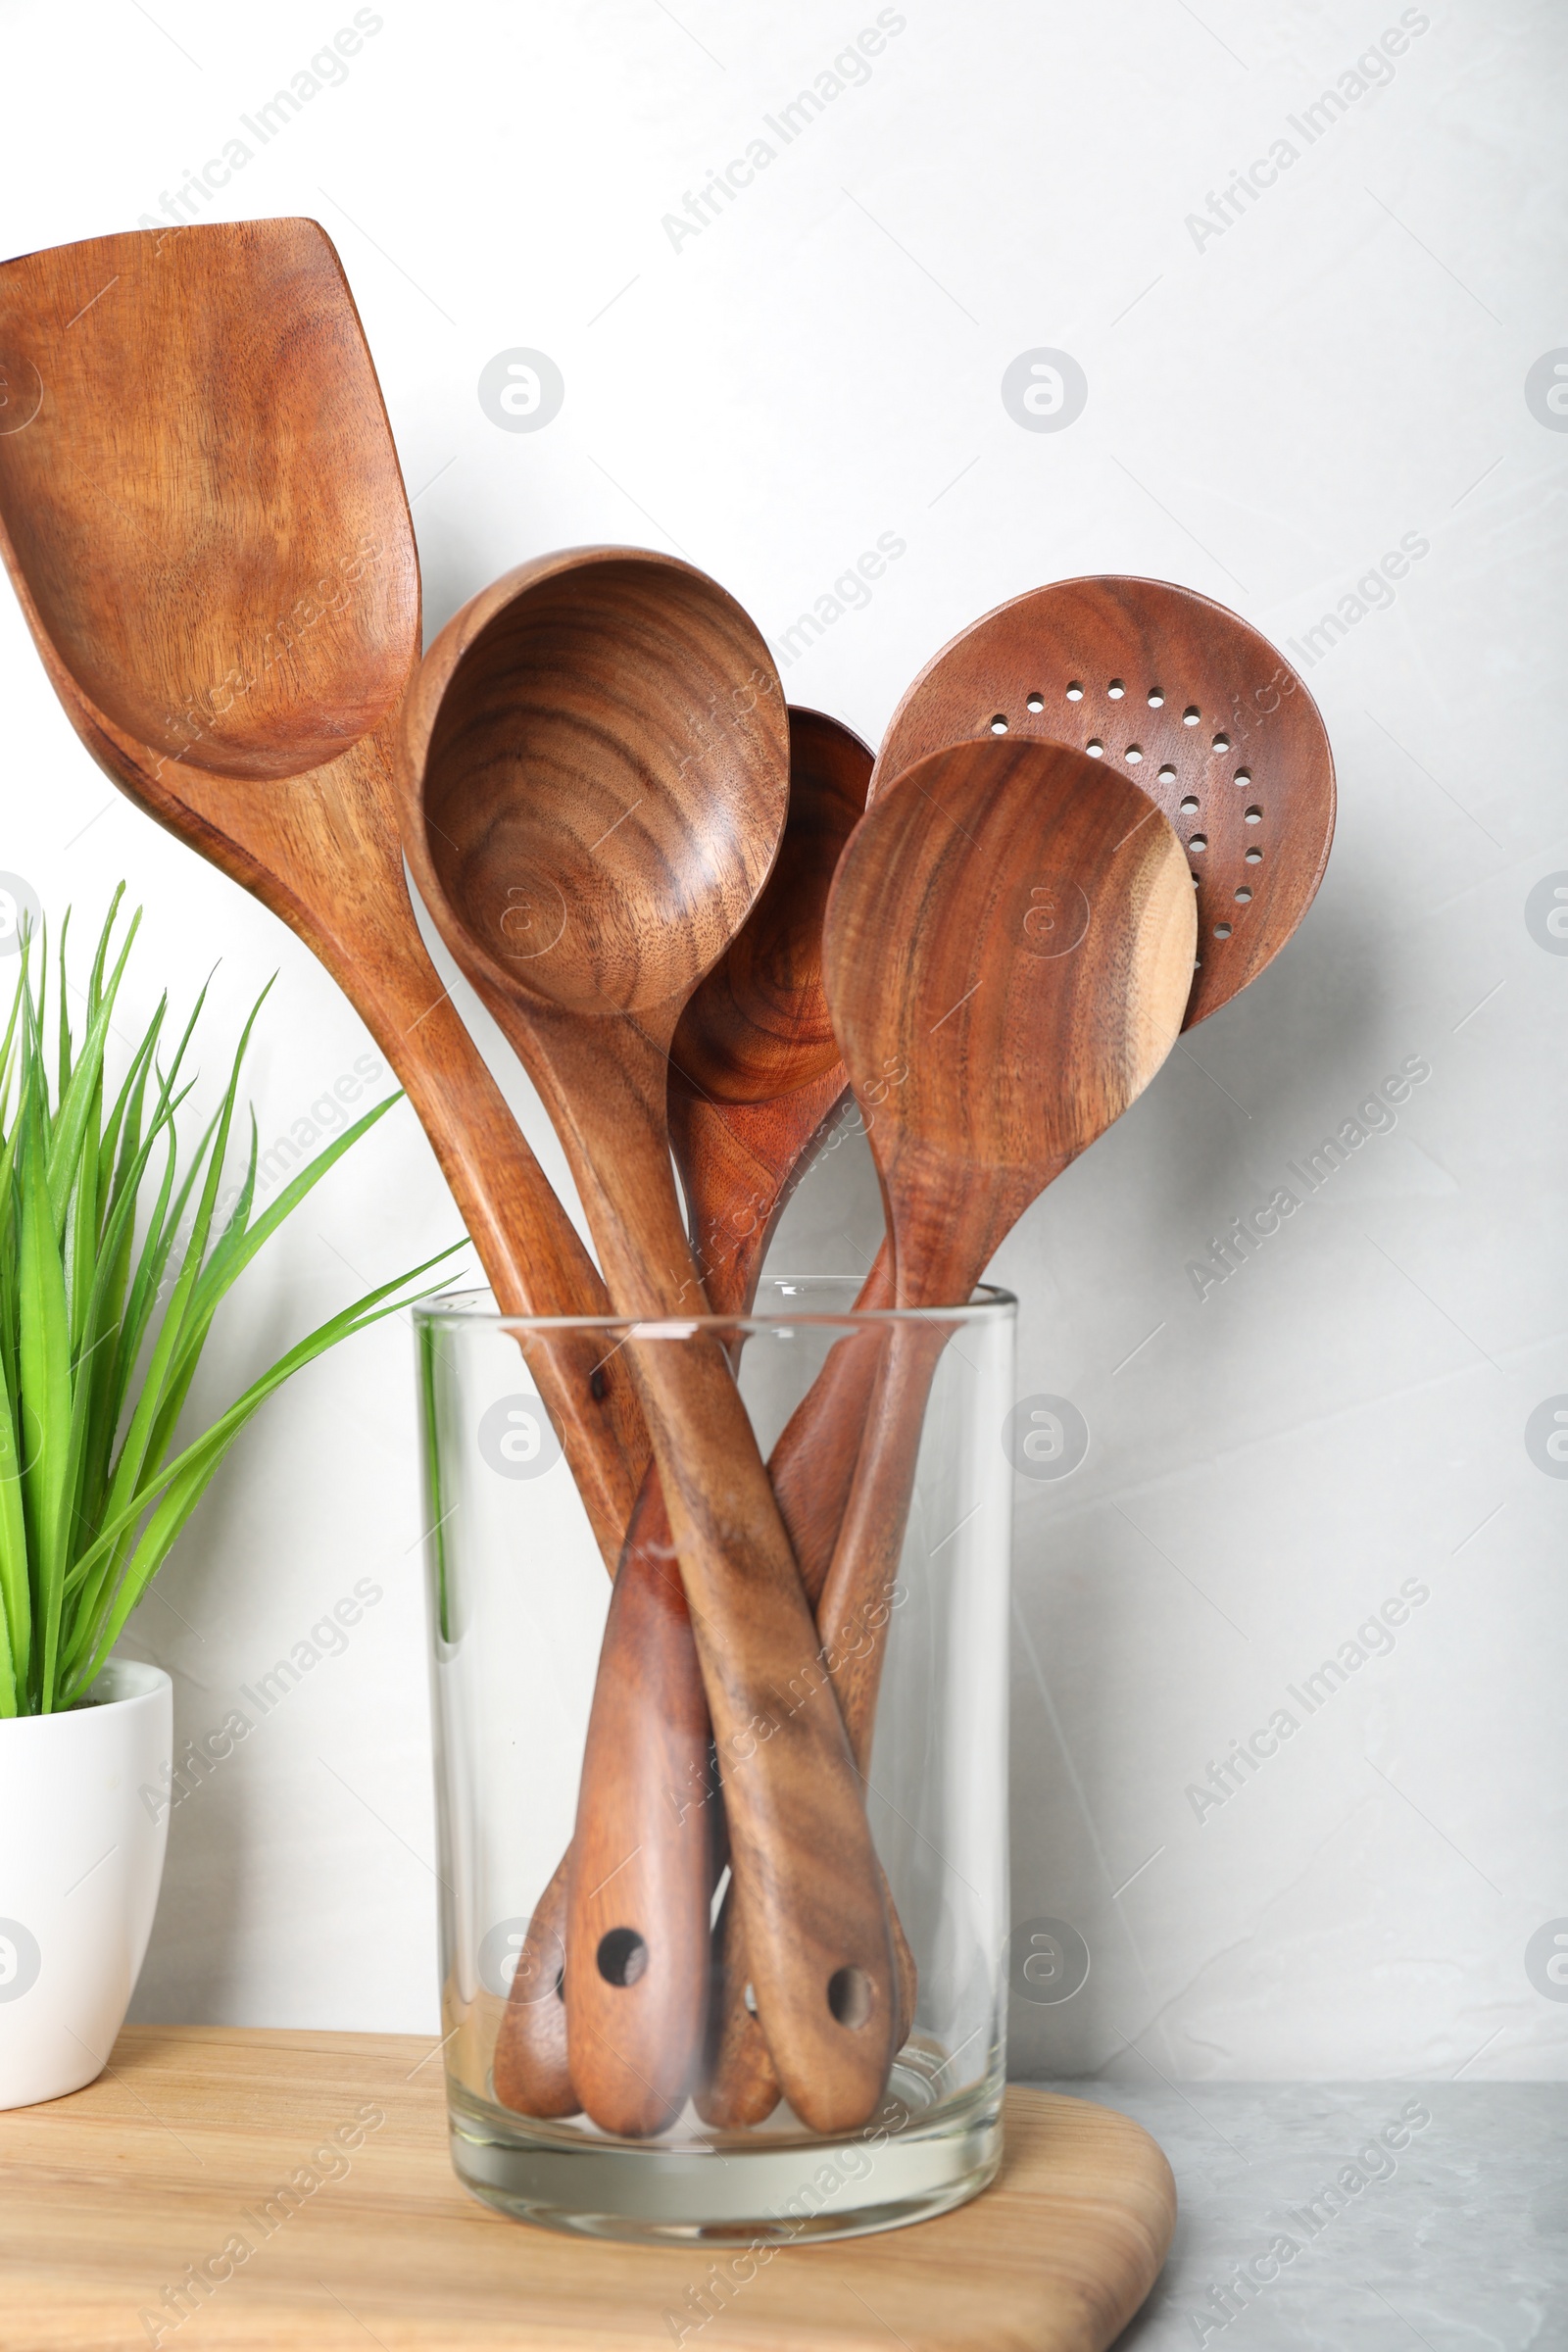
106 2197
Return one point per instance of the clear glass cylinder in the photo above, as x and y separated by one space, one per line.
518 1594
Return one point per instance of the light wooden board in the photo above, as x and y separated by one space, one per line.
107 2196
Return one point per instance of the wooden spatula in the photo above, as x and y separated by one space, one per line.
206 527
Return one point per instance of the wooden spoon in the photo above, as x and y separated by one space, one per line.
205 525
1042 928
1017 942
594 778
755 1076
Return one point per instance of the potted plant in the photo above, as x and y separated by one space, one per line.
115 1253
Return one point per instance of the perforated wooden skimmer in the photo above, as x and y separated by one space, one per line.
1188 700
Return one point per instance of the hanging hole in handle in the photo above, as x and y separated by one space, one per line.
622 1956
848 1996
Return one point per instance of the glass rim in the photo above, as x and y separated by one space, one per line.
476 1311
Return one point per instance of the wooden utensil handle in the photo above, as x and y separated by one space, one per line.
530 1250
813 1463
529 2070
800 1843
645 1846
895 1366
853 1614
799 1846
812 1468
641 1866
646 1842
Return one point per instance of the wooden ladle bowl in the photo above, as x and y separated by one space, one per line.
594 806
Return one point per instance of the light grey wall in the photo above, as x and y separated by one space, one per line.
1271 407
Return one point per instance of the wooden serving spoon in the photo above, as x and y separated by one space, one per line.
753 1078
205 528
1050 927
1017 940
594 777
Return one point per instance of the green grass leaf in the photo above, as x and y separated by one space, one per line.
114 1264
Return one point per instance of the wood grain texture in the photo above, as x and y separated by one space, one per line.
594 781
113 2194
531 2066
813 1464
644 1850
1234 749
755 1074
205 528
1008 952
812 1470
1016 926
1012 925
753 1078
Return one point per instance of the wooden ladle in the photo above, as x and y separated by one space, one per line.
1011 929
202 515
594 778
755 1077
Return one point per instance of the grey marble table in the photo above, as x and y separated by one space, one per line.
1330 2215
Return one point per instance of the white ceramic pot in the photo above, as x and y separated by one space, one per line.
82 1855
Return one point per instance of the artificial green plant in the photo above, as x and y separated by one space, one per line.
112 1262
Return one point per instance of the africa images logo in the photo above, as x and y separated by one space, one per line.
517 1440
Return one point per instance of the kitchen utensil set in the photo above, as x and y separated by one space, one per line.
699 919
